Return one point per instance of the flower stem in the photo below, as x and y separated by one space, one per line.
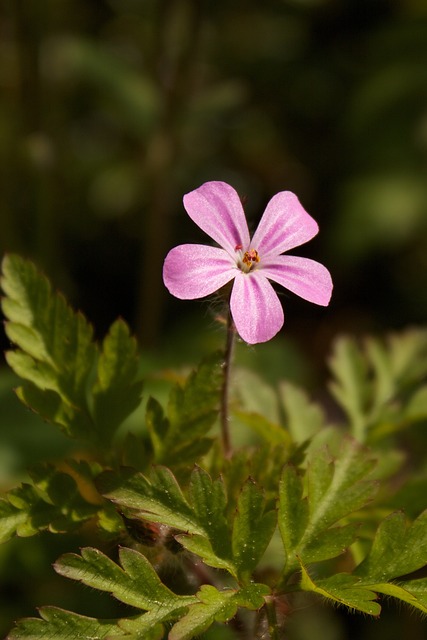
224 413
272 619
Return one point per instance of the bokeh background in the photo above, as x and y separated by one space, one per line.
111 110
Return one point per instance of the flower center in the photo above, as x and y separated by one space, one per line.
247 261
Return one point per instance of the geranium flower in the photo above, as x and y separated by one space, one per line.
194 270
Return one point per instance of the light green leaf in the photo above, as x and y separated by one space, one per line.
343 589
53 502
158 498
271 432
412 592
55 352
216 606
202 546
303 418
397 549
252 529
11 520
57 624
136 584
350 385
117 392
377 382
335 489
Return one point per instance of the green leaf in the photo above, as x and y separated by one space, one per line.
252 529
216 606
135 583
53 502
193 407
413 592
209 500
272 432
335 489
57 624
303 418
343 589
158 498
55 352
11 520
350 386
117 392
376 383
202 546
397 549
178 437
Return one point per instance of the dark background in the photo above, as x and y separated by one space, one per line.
111 110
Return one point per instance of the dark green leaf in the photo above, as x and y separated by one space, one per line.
136 584
397 549
252 529
343 589
55 352
218 606
159 498
335 489
117 392
57 624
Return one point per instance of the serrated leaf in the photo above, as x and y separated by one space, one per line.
55 351
117 392
193 407
410 592
201 545
397 549
57 624
157 425
11 520
53 502
252 529
158 498
374 382
344 589
335 489
216 606
209 500
135 583
350 386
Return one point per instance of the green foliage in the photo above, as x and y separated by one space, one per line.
308 510
381 387
56 357
179 437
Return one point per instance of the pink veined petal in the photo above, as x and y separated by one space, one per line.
195 270
284 225
216 208
307 278
255 307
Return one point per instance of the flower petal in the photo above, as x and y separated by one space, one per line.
195 270
284 225
255 307
216 208
307 278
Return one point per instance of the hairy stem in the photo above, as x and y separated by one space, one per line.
273 629
224 414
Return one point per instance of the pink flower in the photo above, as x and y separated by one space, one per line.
193 270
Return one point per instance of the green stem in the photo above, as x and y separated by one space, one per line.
224 413
273 630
